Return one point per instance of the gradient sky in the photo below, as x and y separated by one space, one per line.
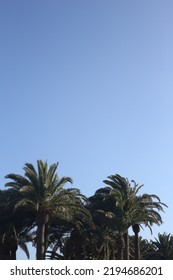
89 83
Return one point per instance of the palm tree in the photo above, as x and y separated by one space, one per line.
43 194
146 248
162 247
101 206
124 208
132 209
106 207
69 239
149 215
13 227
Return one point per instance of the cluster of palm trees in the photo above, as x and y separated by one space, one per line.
63 224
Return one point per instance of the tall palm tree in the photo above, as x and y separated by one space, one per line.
132 209
124 208
150 205
43 194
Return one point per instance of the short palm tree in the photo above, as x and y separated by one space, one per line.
43 194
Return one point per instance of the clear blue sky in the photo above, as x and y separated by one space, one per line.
89 84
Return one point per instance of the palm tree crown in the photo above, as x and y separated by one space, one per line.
42 193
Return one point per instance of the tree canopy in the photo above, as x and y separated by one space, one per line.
62 223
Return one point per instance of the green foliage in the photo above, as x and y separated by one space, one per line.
42 193
63 224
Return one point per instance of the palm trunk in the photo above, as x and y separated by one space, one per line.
40 250
121 246
136 230
137 247
42 220
4 252
13 251
126 251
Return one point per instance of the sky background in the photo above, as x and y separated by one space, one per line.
89 83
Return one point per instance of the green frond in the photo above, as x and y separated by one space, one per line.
51 174
25 204
18 181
